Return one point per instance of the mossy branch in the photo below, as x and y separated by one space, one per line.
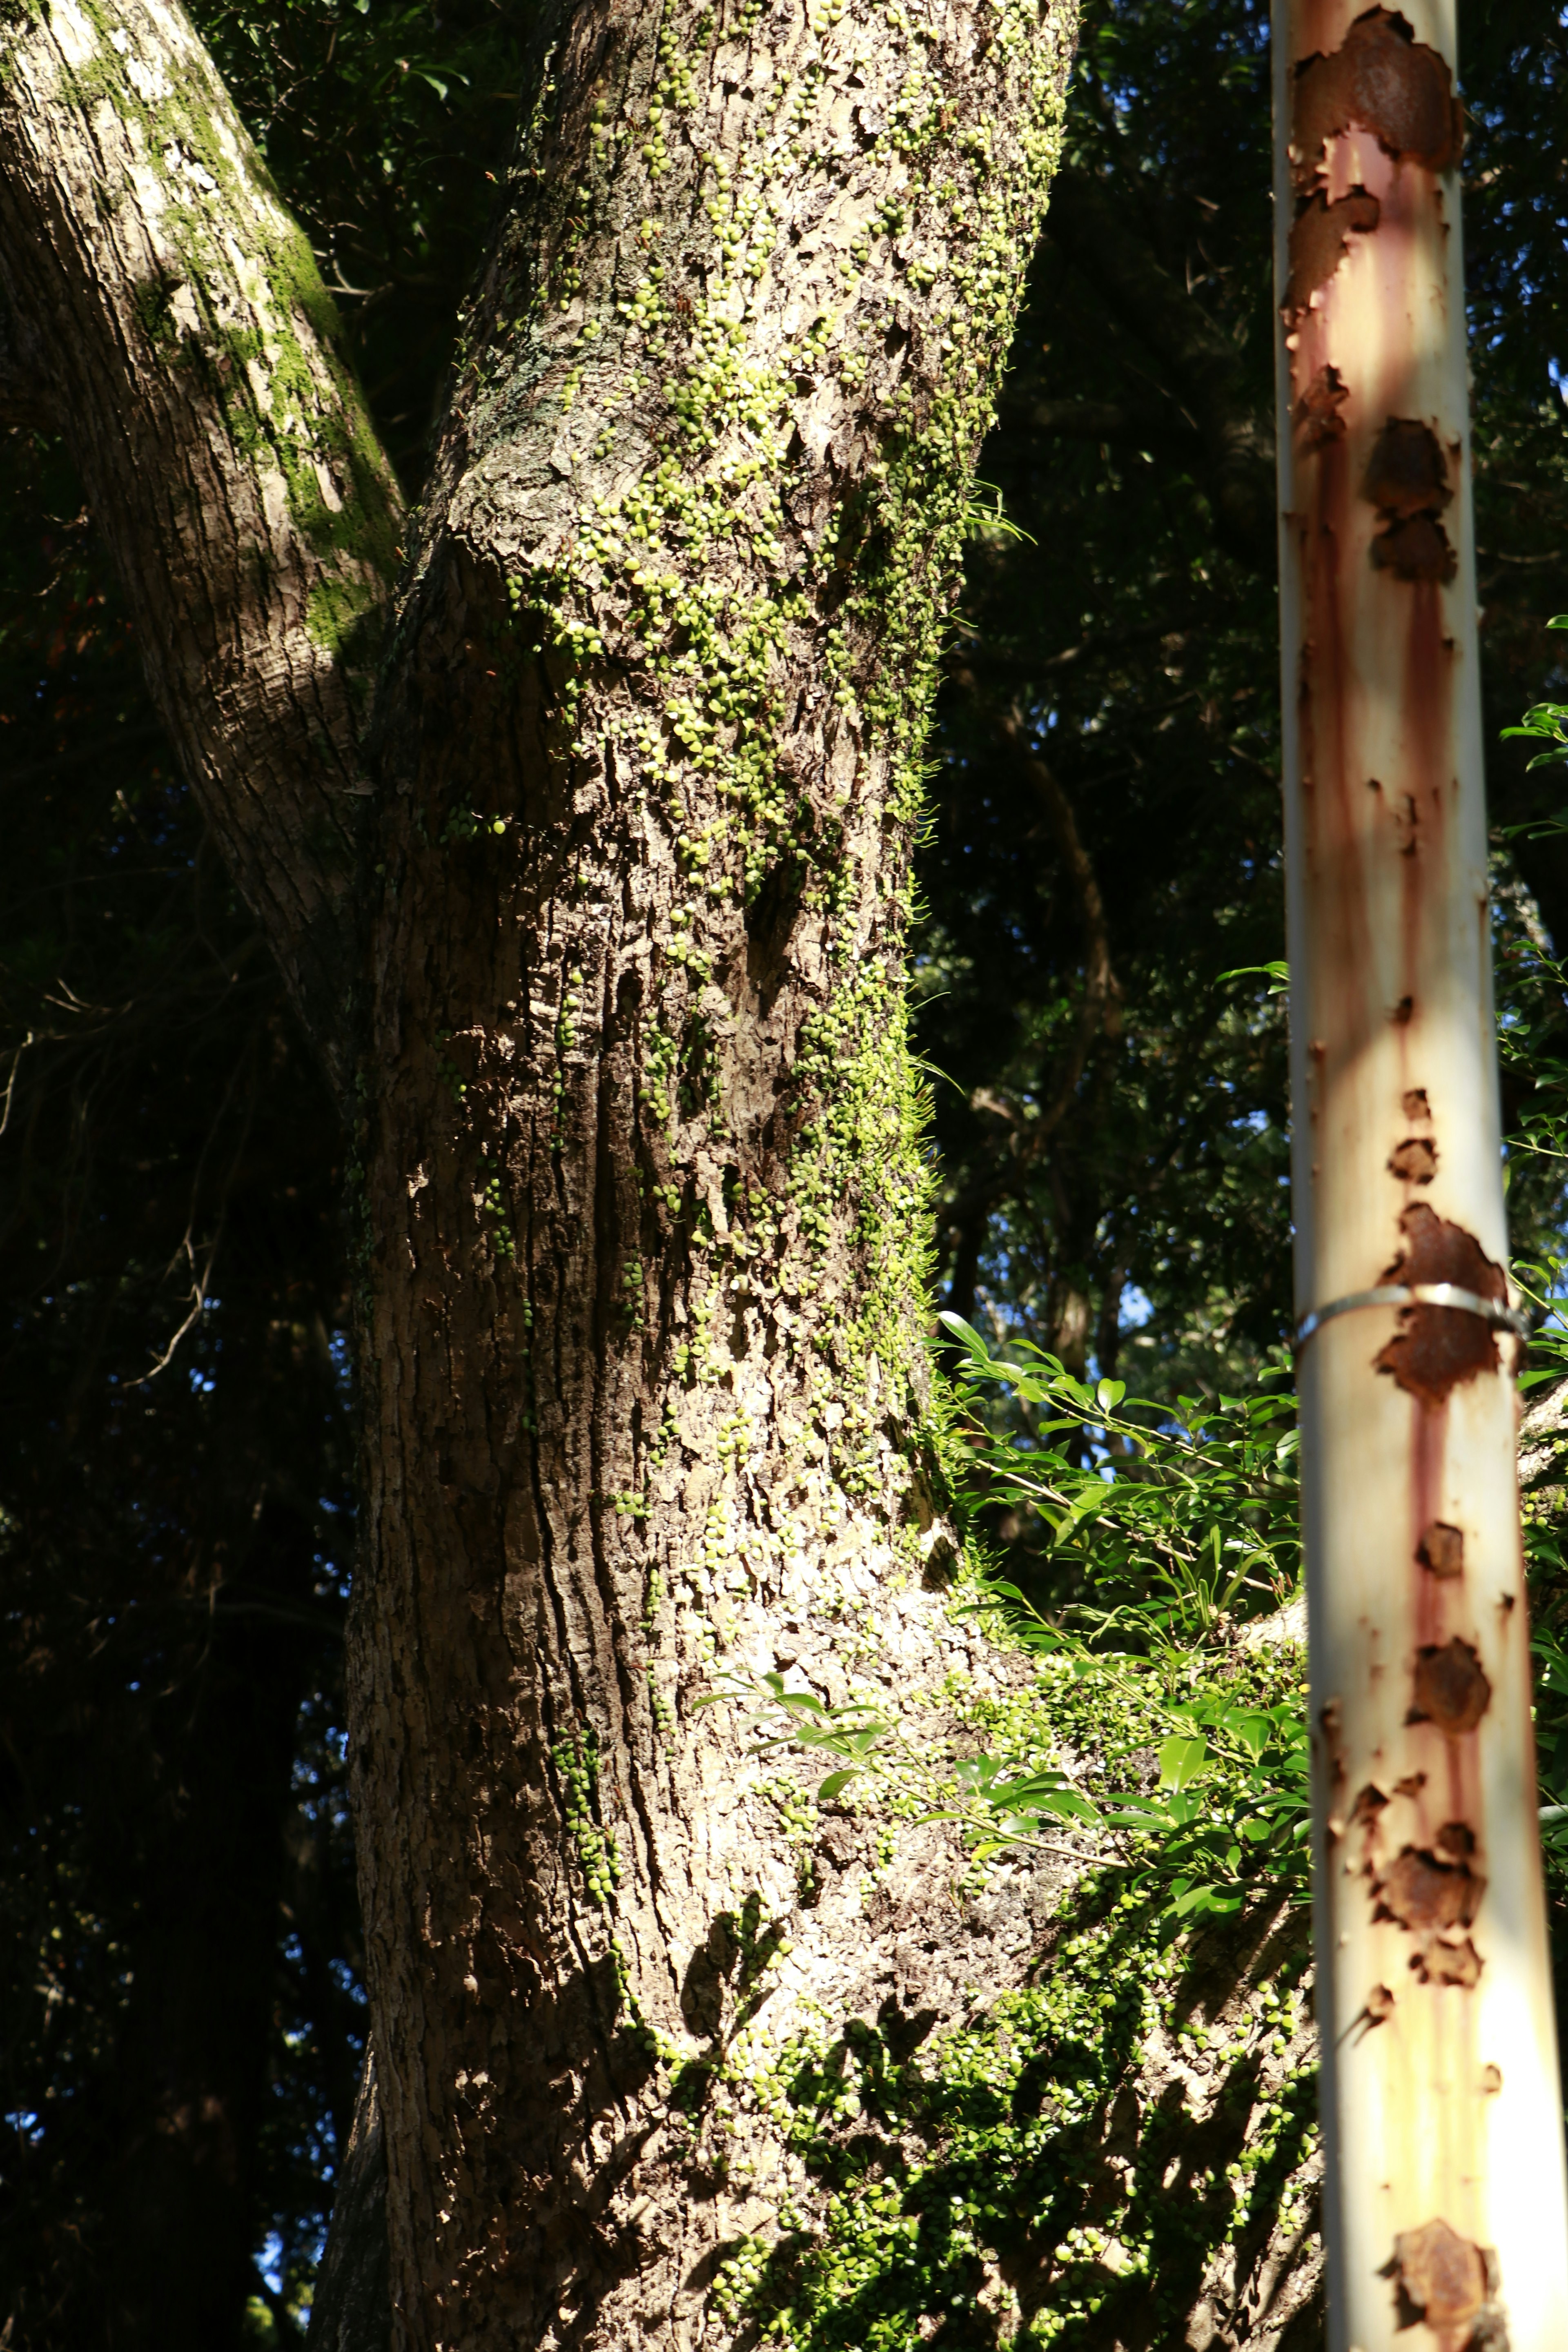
183 343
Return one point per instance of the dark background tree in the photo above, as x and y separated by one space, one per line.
1110 1108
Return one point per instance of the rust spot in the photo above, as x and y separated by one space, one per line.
1436 1348
1415 548
1406 473
1414 1161
1448 1960
1369 1804
1492 2081
1316 414
1451 1689
1451 2284
1407 480
1383 79
1442 1550
1417 1105
1411 1785
1424 1893
1319 240
1379 2004
1457 1837
1403 1010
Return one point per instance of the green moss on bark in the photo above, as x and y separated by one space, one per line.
695 578
282 379
1132 2130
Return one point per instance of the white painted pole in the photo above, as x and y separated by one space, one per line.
1445 2206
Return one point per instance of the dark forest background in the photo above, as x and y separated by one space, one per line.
1102 897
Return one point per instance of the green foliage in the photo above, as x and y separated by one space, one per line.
1172 1533
577 1765
1225 1822
1181 1525
999 1807
1546 722
1002 2178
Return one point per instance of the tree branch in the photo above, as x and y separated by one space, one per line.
1099 1008
195 365
1101 1005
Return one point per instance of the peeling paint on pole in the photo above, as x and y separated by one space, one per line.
1445 2190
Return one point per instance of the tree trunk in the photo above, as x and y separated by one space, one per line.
644 1208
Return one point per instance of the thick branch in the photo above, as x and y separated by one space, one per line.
193 359
1201 365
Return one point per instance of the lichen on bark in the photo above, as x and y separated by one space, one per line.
650 742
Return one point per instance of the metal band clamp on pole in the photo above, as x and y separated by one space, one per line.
1416 1294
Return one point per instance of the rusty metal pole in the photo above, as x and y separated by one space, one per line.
1445 2207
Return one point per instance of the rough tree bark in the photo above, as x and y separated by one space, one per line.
642 1199
167 315
643 1189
